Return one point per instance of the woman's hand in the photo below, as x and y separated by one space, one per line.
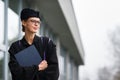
43 65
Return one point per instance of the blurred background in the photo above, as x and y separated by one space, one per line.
86 34
99 25
58 22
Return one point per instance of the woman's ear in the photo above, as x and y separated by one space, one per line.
23 22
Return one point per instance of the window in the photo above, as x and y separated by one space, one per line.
12 30
74 71
62 64
70 69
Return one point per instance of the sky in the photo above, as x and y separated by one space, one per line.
96 19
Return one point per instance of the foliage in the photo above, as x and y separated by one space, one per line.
115 40
112 72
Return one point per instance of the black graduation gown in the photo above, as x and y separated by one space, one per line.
31 73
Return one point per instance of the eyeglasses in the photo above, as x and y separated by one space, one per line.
35 21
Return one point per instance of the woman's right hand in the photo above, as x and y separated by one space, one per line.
43 65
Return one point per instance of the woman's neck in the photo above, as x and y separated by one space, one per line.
29 38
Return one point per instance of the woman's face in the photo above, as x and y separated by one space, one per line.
32 24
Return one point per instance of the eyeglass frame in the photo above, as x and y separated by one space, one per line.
34 21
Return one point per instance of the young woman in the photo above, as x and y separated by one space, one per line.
45 70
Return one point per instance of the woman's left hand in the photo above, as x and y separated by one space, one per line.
43 65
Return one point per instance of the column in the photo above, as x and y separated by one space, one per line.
5 73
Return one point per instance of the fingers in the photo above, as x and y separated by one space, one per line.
44 62
43 65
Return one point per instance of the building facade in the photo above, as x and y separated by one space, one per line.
58 23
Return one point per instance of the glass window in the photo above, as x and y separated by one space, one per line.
1 22
45 31
74 71
42 28
12 31
62 64
12 24
70 70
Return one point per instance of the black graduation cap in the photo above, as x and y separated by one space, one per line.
27 13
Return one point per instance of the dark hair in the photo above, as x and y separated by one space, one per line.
23 28
27 13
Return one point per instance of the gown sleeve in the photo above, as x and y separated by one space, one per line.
52 72
18 72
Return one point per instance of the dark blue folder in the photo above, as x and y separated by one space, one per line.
28 57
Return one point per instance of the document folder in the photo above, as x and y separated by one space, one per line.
28 57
